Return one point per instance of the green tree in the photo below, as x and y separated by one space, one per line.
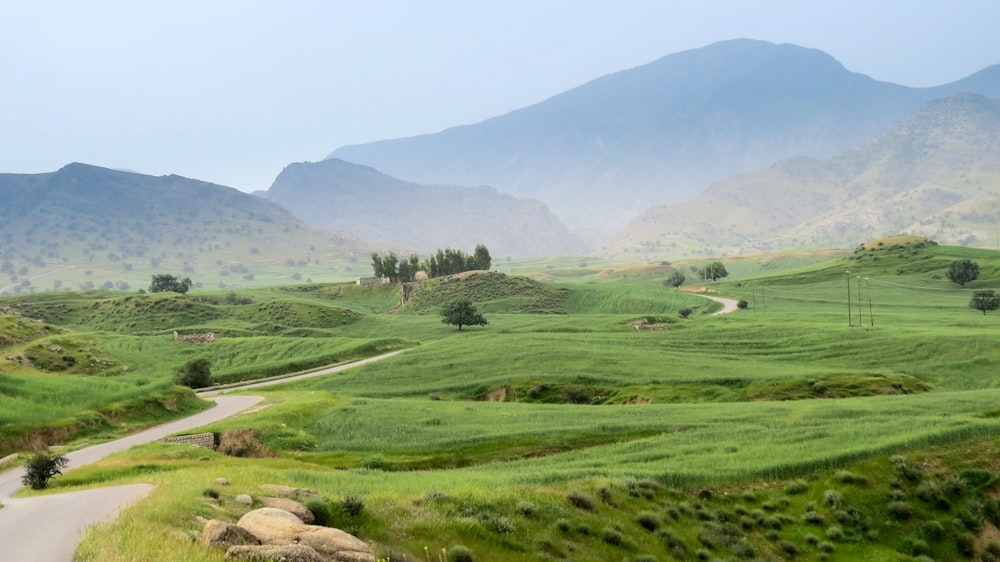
962 271
713 271
675 279
462 313
41 467
196 373
482 257
166 283
985 300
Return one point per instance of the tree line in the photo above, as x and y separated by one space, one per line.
442 263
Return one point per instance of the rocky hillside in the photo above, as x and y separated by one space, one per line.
936 174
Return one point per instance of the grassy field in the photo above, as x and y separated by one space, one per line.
797 428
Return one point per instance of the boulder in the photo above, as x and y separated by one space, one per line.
336 544
291 506
222 481
244 499
275 526
269 553
220 534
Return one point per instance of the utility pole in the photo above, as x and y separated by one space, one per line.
871 316
850 310
861 321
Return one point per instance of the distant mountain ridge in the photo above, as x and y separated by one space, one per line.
601 153
86 226
377 207
936 174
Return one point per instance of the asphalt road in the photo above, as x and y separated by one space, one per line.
728 305
48 528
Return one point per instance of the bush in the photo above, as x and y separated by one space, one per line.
796 487
320 508
41 467
352 505
459 553
563 525
742 304
833 498
196 373
612 536
900 510
581 500
684 312
835 533
648 520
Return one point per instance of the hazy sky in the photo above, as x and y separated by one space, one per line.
232 91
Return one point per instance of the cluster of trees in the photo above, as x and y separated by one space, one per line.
166 283
713 271
444 262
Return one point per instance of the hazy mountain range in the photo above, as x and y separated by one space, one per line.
741 146
601 153
936 173
379 208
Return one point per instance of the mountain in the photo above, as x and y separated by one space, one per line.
600 153
361 200
936 174
84 226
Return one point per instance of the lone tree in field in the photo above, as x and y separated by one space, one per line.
675 279
462 313
196 373
962 271
166 283
41 467
985 300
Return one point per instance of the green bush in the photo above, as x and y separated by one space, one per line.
196 373
612 536
796 487
320 508
581 500
41 467
352 505
900 510
459 553
648 520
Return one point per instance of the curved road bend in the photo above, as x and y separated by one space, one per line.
728 305
48 528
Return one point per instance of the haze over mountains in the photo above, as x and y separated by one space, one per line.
361 200
601 153
937 173
741 146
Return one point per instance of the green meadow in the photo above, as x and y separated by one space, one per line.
848 412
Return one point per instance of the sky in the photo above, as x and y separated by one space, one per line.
232 91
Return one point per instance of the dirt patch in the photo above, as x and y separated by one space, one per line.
242 443
498 395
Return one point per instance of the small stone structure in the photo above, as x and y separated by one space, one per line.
372 280
204 440
651 327
207 337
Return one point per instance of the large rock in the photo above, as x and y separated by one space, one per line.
336 544
291 506
275 526
220 534
272 552
289 492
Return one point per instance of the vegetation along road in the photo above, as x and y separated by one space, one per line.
49 527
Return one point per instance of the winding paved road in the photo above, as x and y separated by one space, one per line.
728 305
48 528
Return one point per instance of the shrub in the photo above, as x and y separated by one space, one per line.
833 498
966 544
796 487
812 539
526 508
684 312
742 304
812 518
41 467
612 536
992 552
459 553
900 510
563 525
645 558
581 500
919 547
210 493
196 373
826 547
835 533
352 505
583 529
788 548
320 508
933 528
648 520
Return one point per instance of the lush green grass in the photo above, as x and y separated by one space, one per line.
584 403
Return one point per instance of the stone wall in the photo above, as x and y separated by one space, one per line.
204 440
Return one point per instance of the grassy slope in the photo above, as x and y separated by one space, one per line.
793 342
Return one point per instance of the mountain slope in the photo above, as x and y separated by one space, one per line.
85 226
659 133
937 174
375 206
